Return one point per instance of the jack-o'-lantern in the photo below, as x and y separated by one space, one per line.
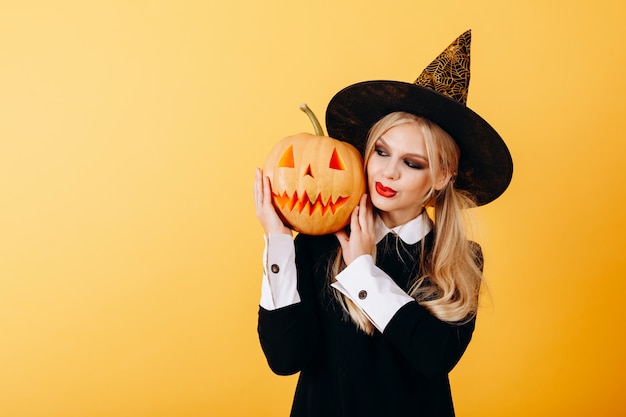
317 181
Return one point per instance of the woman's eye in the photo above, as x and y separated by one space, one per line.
414 164
380 152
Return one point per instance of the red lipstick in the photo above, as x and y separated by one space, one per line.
385 191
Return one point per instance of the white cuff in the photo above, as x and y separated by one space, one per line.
279 285
372 290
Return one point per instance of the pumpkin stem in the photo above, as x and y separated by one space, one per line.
316 124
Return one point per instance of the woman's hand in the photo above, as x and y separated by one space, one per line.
362 239
265 211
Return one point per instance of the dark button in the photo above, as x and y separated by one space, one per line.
362 295
275 268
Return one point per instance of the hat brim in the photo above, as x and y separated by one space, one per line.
485 164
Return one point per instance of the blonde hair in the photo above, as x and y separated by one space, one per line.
451 273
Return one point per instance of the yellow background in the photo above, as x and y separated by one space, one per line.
129 251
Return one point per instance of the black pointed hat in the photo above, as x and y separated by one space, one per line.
440 95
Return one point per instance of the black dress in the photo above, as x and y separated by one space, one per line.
343 371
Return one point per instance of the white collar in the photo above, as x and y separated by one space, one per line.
410 233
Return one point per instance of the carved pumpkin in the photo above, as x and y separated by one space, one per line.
316 180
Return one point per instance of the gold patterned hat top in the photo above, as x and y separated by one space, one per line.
449 73
439 94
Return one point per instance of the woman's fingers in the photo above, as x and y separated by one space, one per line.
265 211
363 212
258 187
362 216
354 220
344 242
361 239
267 191
343 239
369 217
262 190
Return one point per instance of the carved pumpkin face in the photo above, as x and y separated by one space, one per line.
316 182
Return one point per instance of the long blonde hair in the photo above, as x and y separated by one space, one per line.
451 274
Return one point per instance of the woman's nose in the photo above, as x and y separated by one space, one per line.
391 170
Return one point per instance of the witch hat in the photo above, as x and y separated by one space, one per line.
439 94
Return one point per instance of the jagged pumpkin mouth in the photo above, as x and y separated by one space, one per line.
303 204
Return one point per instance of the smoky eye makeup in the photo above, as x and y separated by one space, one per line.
416 163
379 148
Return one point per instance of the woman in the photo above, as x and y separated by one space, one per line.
375 318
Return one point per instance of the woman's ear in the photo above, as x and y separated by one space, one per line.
443 180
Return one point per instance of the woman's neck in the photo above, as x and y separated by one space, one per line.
392 219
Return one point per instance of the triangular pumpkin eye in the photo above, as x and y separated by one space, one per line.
336 162
286 161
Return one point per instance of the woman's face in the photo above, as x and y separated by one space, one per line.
398 174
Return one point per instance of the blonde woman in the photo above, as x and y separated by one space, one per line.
376 316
